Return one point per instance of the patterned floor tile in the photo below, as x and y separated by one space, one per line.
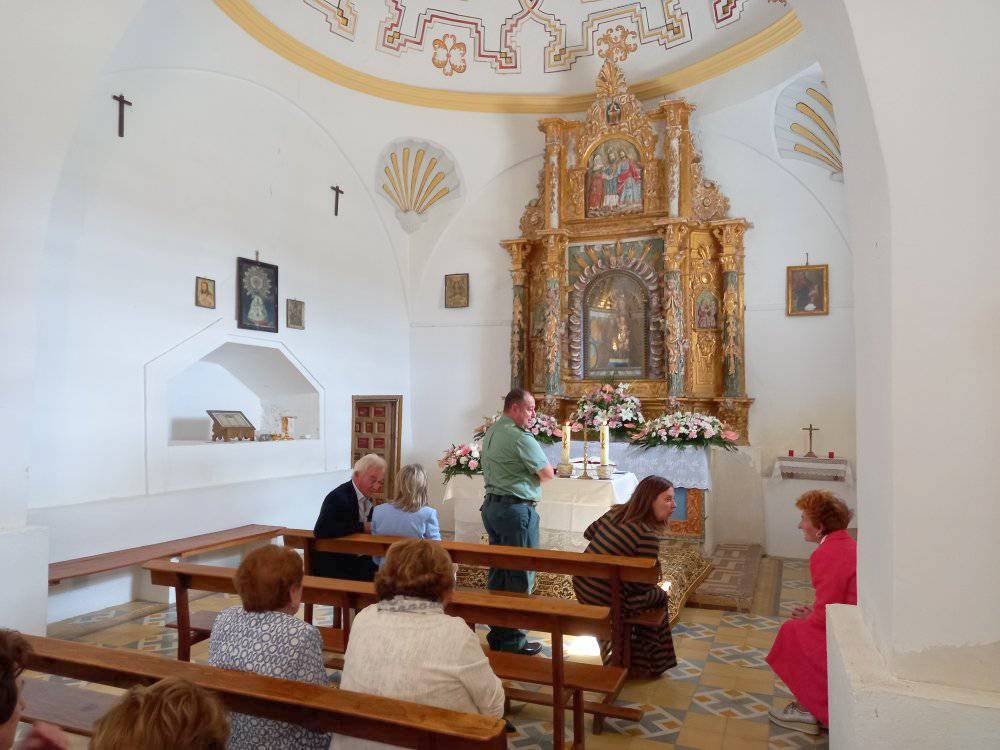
743 656
695 630
731 704
789 739
753 622
686 669
658 724
796 583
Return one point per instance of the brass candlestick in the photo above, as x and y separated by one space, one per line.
586 455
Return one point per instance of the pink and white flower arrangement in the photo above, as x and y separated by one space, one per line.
461 460
611 406
544 428
685 428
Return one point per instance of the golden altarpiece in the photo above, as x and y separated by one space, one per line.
628 267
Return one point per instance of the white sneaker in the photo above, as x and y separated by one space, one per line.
793 716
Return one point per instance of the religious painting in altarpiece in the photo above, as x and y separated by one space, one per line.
628 267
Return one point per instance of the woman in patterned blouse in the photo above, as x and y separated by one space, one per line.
634 530
264 636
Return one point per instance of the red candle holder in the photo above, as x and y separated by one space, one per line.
791 453
830 454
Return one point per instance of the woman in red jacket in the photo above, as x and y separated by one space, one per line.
798 655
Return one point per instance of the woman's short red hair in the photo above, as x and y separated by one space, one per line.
265 576
824 510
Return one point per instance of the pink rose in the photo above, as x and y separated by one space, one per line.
473 464
675 431
463 450
452 461
557 433
729 435
576 427
630 424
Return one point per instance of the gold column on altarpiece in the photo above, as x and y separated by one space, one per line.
729 234
518 251
674 235
553 247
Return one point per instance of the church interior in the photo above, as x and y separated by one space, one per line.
250 242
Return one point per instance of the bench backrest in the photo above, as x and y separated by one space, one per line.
315 707
496 608
636 569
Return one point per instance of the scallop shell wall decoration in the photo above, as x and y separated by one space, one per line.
416 177
804 126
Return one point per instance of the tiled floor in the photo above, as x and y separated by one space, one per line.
717 698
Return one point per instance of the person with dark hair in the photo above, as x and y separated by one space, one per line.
633 529
172 714
265 637
14 654
798 655
514 468
405 646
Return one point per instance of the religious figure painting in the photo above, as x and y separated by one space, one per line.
615 340
204 292
807 290
456 290
614 179
295 314
706 310
256 295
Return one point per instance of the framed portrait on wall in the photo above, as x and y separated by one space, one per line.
807 290
295 314
204 292
256 295
456 290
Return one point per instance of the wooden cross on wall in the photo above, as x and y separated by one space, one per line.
337 192
122 103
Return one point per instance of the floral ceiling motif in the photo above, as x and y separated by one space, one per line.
485 36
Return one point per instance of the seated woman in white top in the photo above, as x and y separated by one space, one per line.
409 514
406 647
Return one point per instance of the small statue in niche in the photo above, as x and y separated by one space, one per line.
613 113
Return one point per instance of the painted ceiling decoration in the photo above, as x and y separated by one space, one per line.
514 56
804 125
415 176
396 36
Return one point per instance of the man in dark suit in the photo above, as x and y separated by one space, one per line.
347 510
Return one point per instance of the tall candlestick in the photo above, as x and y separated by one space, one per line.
605 439
566 439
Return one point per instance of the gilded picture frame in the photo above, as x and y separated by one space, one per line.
204 292
807 290
456 290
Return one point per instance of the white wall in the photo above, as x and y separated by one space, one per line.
202 386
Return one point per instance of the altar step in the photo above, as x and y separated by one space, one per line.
733 581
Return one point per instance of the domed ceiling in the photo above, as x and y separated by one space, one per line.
510 47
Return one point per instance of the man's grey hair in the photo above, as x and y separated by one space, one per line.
367 462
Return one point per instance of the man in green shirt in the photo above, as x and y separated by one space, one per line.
514 468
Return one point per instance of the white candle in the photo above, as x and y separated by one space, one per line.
605 438
566 443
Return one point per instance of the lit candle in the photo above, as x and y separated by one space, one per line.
605 438
566 443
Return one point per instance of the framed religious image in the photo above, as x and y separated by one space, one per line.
204 292
615 313
807 290
230 425
295 314
614 178
706 310
456 290
256 295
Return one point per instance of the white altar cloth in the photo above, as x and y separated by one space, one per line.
685 466
567 507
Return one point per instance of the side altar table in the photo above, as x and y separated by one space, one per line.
567 507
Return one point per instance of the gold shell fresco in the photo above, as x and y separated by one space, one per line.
415 177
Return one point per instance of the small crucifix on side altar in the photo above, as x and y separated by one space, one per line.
810 429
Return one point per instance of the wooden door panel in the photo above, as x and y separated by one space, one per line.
376 424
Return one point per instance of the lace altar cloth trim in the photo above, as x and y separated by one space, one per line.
685 467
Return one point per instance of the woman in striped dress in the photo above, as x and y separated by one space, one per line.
634 530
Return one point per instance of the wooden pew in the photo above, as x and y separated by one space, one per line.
555 616
186 547
316 707
616 570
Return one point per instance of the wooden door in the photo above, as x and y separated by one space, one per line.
376 423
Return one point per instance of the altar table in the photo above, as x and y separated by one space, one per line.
683 466
567 507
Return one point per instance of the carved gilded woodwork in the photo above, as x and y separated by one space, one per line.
627 264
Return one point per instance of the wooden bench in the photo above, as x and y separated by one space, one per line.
71 708
186 547
616 570
318 708
555 616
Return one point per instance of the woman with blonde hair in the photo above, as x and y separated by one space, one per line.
633 529
798 655
405 646
172 714
409 514
265 637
